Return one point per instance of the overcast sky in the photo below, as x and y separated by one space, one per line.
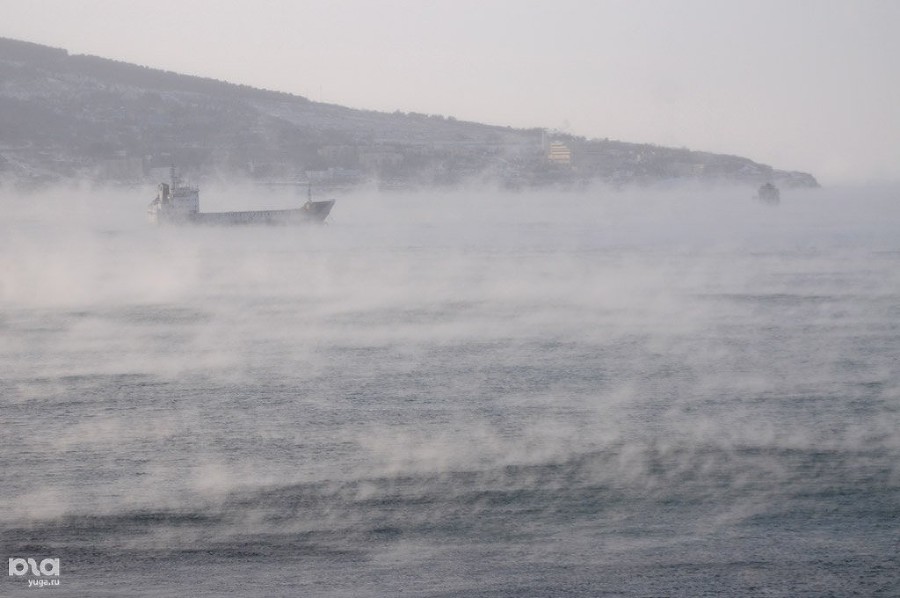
809 85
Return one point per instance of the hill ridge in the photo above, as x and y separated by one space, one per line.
66 115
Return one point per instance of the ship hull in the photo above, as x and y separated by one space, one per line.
313 212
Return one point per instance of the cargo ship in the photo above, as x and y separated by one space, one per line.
177 203
769 193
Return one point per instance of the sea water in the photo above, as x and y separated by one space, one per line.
678 392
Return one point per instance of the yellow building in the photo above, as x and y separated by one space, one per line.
559 153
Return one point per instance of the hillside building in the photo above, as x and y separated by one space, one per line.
559 153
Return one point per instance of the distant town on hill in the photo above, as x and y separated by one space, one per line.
65 117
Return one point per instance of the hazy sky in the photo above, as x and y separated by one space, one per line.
808 85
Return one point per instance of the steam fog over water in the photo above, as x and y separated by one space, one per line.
668 393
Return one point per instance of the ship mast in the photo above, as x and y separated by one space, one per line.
173 176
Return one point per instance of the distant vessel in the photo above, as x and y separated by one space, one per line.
177 203
769 193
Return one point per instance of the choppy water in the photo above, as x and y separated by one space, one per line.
470 394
